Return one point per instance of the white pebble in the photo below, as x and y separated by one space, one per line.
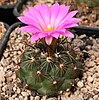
2 74
95 97
14 88
91 99
20 97
63 98
90 64
90 79
9 74
24 94
80 84
25 98
10 98
37 98
14 95
14 76
4 88
18 91
29 92
16 99
6 54
31 98
84 90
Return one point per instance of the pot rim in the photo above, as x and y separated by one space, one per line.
15 10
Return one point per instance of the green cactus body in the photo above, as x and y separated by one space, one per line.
49 74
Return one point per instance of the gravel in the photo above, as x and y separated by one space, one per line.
7 2
11 88
2 29
33 3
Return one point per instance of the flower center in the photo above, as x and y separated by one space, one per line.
49 27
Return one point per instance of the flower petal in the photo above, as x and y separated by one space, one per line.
42 35
48 22
68 25
69 16
25 20
62 13
54 12
55 34
45 12
29 21
68 34
37 17
34 38
48 40
71 21
27 14
29 29
75 20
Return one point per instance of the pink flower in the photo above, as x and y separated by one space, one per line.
48 22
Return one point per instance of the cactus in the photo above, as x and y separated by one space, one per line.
49 65
49 69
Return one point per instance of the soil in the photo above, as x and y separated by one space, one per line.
7 2
11 87
2 30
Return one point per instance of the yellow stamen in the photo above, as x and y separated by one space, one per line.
49 28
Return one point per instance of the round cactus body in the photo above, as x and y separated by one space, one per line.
46 74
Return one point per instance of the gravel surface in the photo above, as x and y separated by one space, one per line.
7 2
31 4
2 30
11 88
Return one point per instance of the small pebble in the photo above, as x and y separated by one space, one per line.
18 91
2 74
4 88
90 64
20 97
16 99
10 98
80 84
24 94
26 98
14 76
90 79
96 97
14 88
14 96
91 99
37 98
31 98
84 90
9 74
9 79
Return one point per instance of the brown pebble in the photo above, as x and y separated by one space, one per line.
9 79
